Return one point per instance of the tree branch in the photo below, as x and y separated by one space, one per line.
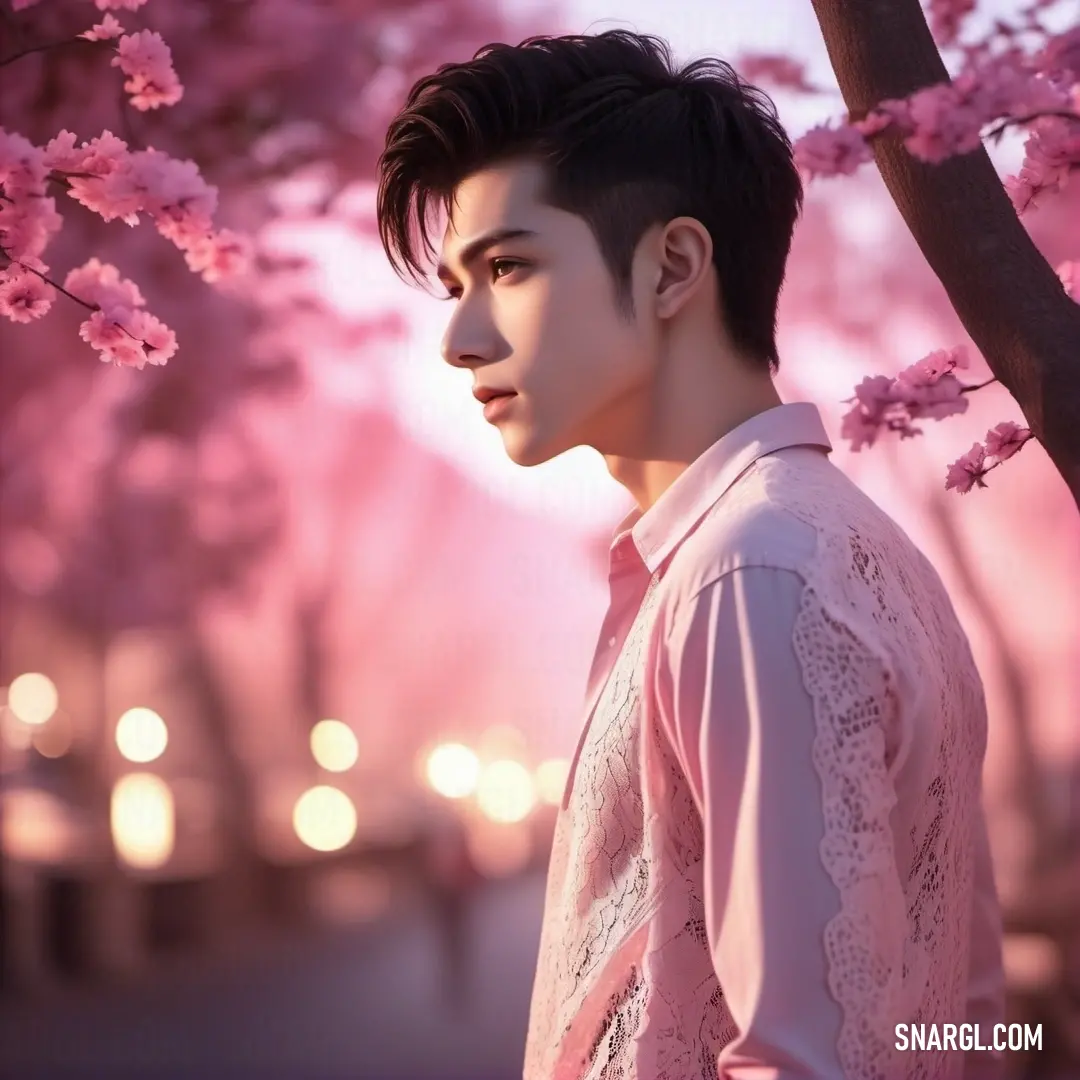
1007 296
48 45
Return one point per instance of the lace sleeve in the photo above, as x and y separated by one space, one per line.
777 715
986 975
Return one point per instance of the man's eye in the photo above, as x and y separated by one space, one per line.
494 265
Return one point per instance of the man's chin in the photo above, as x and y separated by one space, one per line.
527 453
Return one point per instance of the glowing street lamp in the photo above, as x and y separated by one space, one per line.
324 818
141 735
334 745
452 770
142 817
505 791
33 698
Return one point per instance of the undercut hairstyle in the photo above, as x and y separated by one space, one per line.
626 140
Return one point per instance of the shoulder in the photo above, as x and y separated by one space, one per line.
751 526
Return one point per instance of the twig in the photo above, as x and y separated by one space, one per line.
56 285
48 45
998 129
72 296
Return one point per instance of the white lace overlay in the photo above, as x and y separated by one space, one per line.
884 593
625 987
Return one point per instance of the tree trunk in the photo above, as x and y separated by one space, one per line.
1007 296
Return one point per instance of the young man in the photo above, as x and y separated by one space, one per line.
771 850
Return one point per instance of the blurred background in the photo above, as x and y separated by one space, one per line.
278 762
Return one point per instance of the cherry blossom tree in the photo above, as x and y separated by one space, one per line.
925 130
143 498
108 177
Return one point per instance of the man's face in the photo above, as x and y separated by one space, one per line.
543 322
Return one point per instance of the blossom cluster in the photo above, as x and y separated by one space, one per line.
949 118
928 389
1039 89
114 180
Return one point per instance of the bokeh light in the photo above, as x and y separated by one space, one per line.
453 770
499 850
550 779
334 745
54 739
325 818
141 735
36 827
501 741
32 697
143 820
13 731
505 791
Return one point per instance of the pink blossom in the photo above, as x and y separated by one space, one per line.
825 151
24 296
219 255
20 5
147 61
99 159
886 114
1004 439
100 284
106 30
176 196
1006 86
934 400
968 470
27 225
159 340
116 5
1062 54
101 155
122 183
105 332
873 398
122 331
945 124
128 338
946 17
1051 152
28 217
22 166
106 177
62 154
774 68
860 427
927 390
934 365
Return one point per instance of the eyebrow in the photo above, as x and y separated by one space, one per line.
475 248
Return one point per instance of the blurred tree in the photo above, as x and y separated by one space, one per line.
128 498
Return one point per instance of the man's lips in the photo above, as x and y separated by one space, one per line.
497 406
485 393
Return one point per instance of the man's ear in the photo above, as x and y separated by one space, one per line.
684 255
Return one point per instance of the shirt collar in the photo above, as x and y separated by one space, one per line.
660 529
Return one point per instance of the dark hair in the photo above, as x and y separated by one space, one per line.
626 141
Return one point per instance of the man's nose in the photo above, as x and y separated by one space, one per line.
468 342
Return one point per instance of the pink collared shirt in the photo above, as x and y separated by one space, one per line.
771 849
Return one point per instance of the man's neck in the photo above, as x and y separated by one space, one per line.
675 444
